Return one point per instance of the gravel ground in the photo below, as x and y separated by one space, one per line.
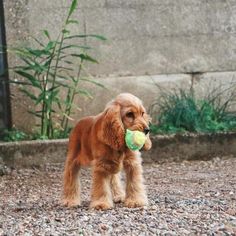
187 198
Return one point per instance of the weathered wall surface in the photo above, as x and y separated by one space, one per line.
153 37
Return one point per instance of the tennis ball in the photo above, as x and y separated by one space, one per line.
134 139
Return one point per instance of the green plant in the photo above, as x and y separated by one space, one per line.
181 111
14 135
48 70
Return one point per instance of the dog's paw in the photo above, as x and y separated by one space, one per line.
97 205
71 202
119 198
135 203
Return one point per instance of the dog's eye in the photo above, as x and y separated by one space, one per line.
143 113
130 115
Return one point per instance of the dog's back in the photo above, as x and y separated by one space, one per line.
77 147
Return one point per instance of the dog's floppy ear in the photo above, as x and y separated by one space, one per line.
112 130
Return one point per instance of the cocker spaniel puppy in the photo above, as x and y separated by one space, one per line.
100 141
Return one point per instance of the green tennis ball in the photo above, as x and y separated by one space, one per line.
134 139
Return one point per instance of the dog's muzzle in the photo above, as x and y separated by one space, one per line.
146 131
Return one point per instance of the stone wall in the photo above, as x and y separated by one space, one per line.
154 38
28 154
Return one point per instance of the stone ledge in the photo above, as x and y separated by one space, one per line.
34 153
166 148
181 147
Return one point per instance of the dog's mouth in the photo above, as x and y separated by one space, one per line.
143 130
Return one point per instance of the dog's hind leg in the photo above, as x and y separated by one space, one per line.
117 188
71 192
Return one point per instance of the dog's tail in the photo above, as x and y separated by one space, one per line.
74 144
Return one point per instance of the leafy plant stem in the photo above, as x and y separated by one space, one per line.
72 97
44 119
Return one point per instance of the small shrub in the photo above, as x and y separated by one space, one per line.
180 111
14 135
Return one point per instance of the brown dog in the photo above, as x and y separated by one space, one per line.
99 140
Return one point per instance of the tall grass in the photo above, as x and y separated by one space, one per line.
181 111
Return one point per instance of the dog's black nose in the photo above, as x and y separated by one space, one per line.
146 130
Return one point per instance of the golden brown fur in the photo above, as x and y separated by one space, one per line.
99 140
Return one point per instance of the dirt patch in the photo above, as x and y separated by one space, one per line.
185 198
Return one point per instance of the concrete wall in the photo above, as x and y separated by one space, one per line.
152 37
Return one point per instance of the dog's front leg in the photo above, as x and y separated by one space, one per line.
101 190
135 190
